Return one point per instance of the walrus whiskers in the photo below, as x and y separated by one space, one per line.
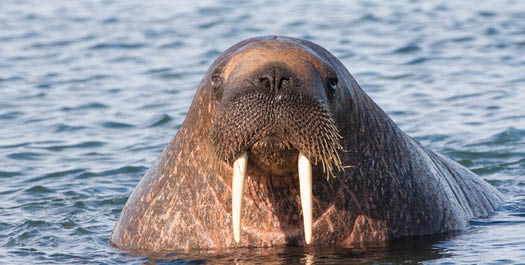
317 136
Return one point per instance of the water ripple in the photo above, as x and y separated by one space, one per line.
407 49
94 105
102 46
57 174
115 125
25 156
38 189
113 172
160 121
87 144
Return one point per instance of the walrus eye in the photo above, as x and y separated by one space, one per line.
216 80
332 83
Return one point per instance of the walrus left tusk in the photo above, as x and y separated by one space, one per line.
239 173
305 186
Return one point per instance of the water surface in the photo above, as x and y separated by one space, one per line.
92 91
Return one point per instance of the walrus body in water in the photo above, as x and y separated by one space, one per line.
280 125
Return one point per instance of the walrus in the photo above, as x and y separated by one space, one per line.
281 146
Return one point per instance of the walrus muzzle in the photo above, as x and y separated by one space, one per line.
280 130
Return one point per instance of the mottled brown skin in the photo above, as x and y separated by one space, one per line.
394 188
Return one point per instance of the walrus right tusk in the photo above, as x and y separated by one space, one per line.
239 174
305 186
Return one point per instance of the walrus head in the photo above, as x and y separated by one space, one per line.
274 116
274 106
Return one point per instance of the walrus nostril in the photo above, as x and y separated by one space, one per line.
274 83
274 77
265 83
284 83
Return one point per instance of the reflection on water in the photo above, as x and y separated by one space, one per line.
409 250
92 91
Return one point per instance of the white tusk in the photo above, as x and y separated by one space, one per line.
239 174
305 185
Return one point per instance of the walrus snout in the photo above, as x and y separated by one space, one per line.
271 129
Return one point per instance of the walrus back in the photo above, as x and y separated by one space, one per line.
412 189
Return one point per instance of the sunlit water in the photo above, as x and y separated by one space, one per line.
92 91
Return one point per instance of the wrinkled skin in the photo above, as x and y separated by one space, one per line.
392 186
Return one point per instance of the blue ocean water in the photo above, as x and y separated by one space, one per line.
92 91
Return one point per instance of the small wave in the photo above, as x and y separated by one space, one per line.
125 46
172 45
418 60
396 77
211 53
67 223
11 115
472 155
24 156
9 146
407 49
369 18
55 175
464 96
67 128
510 135
83 231
52 44
491 31
210 24
110 20
88 79
158 70
116 125
166 76
486 13
35 223
39 189
165 73
463 39
127 58
495 222
113 172
87 144
111 200
165 118
26 35
209 11
9 191
11 78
